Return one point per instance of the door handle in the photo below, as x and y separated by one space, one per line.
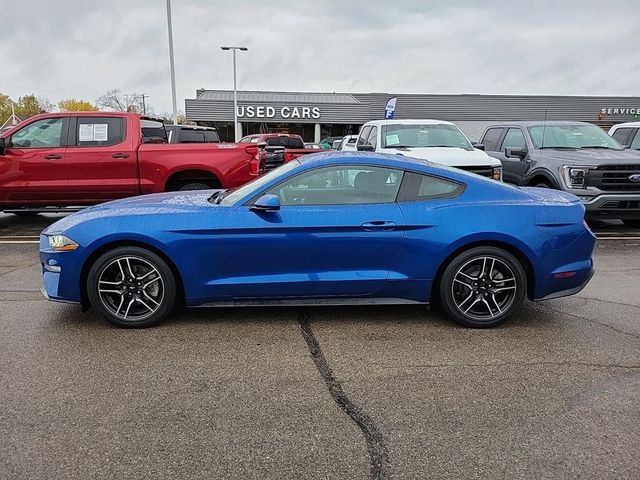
120 155
378 225
53 156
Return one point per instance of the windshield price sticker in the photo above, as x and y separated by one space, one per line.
393 139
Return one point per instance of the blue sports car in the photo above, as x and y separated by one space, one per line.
326 229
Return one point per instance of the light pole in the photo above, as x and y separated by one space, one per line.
235 90
173 70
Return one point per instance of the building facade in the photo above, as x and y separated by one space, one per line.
319 115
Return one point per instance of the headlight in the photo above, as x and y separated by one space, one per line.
60 243
496 173
575 177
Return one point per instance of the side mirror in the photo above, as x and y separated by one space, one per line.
365 148
479 146
266 203
3 148
520 153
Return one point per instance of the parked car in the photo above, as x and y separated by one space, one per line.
315 146
576 157
335 228
434 140
627 134
75 159
348 143
327 142
280 147
192 134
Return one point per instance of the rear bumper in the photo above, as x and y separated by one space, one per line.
577 285
612 205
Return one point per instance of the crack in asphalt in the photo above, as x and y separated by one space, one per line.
376 444
590 320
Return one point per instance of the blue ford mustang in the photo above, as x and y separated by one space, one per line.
341 228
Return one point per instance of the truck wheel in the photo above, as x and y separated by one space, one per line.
195 186
131 287
482 287
633 223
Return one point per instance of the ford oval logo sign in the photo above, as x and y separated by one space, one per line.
635 177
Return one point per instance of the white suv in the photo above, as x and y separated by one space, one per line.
627 134
434 140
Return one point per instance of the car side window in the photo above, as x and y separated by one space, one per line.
343 185
491 139
635 143
245 140
419 187
46 133
99 131
373 137
622 136
513 139
364 135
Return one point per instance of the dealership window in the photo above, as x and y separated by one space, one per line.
491 138
99 131
41 134
417 187
513 139
346 185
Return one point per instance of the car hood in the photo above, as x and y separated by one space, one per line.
452 157
592 156
169 203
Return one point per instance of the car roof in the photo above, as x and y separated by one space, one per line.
411 121
536 123
626 124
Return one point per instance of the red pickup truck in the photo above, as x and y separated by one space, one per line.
280 147
84 158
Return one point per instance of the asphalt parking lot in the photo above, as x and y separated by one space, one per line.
358 392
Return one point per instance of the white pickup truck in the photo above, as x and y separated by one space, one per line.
434 140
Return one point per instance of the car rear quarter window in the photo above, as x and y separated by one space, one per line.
491 139
99 131
417 187
622 136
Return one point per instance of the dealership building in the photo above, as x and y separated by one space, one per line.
318 115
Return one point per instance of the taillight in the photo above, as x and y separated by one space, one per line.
288 156
254 167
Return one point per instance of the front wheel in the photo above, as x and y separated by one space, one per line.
131 287
482 287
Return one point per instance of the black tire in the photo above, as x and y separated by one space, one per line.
542 185
195 186
493 291
633 223
26 214
147 299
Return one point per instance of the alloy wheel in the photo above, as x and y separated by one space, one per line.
131 288
483 288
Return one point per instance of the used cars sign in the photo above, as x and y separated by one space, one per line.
262 111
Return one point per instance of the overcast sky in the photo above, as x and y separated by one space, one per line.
82 48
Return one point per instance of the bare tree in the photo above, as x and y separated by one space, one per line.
120 102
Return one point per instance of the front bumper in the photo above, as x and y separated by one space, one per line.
613 205
61 273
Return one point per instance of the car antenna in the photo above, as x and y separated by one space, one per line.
544 128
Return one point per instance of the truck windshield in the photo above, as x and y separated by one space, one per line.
572 136
436 135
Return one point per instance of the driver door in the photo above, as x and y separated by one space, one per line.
32 170
338 232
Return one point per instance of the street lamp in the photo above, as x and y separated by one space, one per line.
235 91
171 65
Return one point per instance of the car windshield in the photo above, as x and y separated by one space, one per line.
572 136
232 196
435 135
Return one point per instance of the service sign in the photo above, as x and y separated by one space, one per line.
265 111
620 110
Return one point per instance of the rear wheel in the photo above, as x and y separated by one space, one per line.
482 287
634 223
131 287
